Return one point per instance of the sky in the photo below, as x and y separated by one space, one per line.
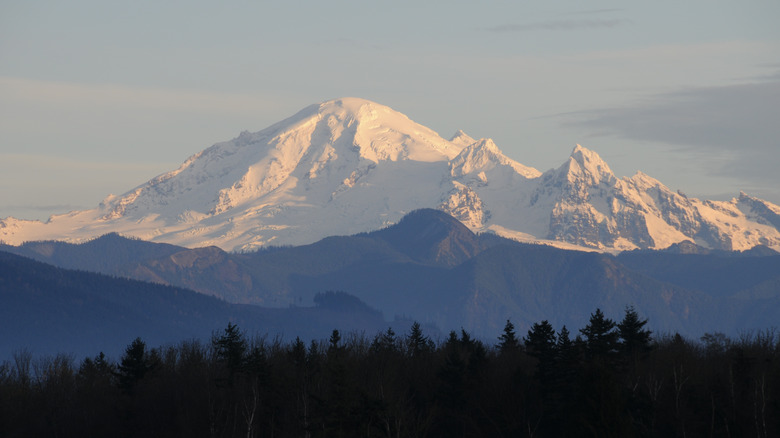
98 97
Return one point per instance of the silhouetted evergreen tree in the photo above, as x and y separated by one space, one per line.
134 365
385 342
231 348
633 348
508 342
337 401
564 388
564 347
335 339
298 352
97 394
635 339
417 343
601 337
460 374
540 343
604 401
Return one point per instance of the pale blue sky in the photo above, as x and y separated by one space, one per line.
97 97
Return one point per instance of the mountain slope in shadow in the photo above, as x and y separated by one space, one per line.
431 268
50 310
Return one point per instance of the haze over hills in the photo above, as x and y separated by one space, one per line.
349 165
431 268
49 310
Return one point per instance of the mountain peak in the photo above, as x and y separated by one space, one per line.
348 165
487 143
483 155
585 163
338 140
381 133
431 236
760 210
356 108
645 181
588 158
462 139
348 102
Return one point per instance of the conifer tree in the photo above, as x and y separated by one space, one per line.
635 338
338 403
603 405
566 352
384 342
563 389
564 343
335 338
134 365
231 347
508 340
417 343
540 341
298 352
601 338
99 366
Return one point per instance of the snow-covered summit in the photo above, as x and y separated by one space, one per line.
351 165
484 155
591 207
346 132
586 163
462 139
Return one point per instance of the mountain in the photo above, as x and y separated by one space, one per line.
349 165
49 310
720 274
105 254
431 237
432 268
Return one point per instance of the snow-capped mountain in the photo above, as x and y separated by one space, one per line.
350 165
589 206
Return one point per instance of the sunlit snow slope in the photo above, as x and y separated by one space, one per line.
350 165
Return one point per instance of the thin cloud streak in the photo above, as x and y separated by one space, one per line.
44 208
79 185
731 129
555 25
65 165
595 11
58 93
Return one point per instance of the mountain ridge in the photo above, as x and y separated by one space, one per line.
350 165
49 310
432 268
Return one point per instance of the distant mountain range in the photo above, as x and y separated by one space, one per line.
349 165
48 310
429 267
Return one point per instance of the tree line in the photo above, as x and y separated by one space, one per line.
608 379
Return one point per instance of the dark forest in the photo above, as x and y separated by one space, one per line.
609 378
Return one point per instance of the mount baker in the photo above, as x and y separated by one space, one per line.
350 165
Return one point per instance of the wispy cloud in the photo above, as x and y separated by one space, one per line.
732 128
558 25
594 11
47 163
37 186
57 93
44 208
